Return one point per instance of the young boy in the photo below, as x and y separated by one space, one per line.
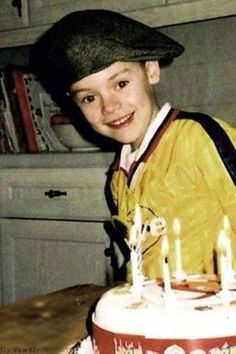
173 164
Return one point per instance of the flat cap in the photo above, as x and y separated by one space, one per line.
85 42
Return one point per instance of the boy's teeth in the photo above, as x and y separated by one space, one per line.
120 121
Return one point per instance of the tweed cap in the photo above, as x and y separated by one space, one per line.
85 42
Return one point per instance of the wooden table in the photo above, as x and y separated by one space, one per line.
48 324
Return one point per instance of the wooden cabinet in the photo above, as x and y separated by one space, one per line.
38 15
49 11
12 17
52 229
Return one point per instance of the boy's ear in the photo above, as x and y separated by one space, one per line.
153 71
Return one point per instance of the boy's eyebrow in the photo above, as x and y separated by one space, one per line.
75 91
119 73
112 77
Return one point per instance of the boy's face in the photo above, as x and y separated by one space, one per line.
118 102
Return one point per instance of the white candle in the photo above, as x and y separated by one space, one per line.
179 273
137 279
165 265
223 262
228 250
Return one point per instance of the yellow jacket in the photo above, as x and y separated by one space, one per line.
180 175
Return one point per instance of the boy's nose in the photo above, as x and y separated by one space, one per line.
111 103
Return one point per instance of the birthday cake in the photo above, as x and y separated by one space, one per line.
175 314
178 313
195 317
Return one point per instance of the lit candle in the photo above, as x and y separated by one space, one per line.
228 250
165 266
179 273
135 244
138 219
223 262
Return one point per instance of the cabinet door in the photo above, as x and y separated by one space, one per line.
40 256
11 18
48 11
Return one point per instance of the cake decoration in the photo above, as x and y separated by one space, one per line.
135 245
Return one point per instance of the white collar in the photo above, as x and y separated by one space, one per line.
127 156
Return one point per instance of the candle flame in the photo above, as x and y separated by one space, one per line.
133 236
136 229
226 223
165 246
176 226
222 240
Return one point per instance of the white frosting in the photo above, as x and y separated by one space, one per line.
188 314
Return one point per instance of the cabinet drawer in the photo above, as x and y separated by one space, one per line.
53 193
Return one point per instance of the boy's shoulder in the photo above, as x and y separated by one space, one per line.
220 133
216 128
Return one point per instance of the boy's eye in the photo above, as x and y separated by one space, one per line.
122 84
87 99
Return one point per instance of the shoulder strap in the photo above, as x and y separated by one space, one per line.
220 138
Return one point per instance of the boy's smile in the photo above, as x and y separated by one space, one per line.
119 102
122 122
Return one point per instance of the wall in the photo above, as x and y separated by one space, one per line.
203 78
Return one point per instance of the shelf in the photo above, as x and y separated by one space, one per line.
57 160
